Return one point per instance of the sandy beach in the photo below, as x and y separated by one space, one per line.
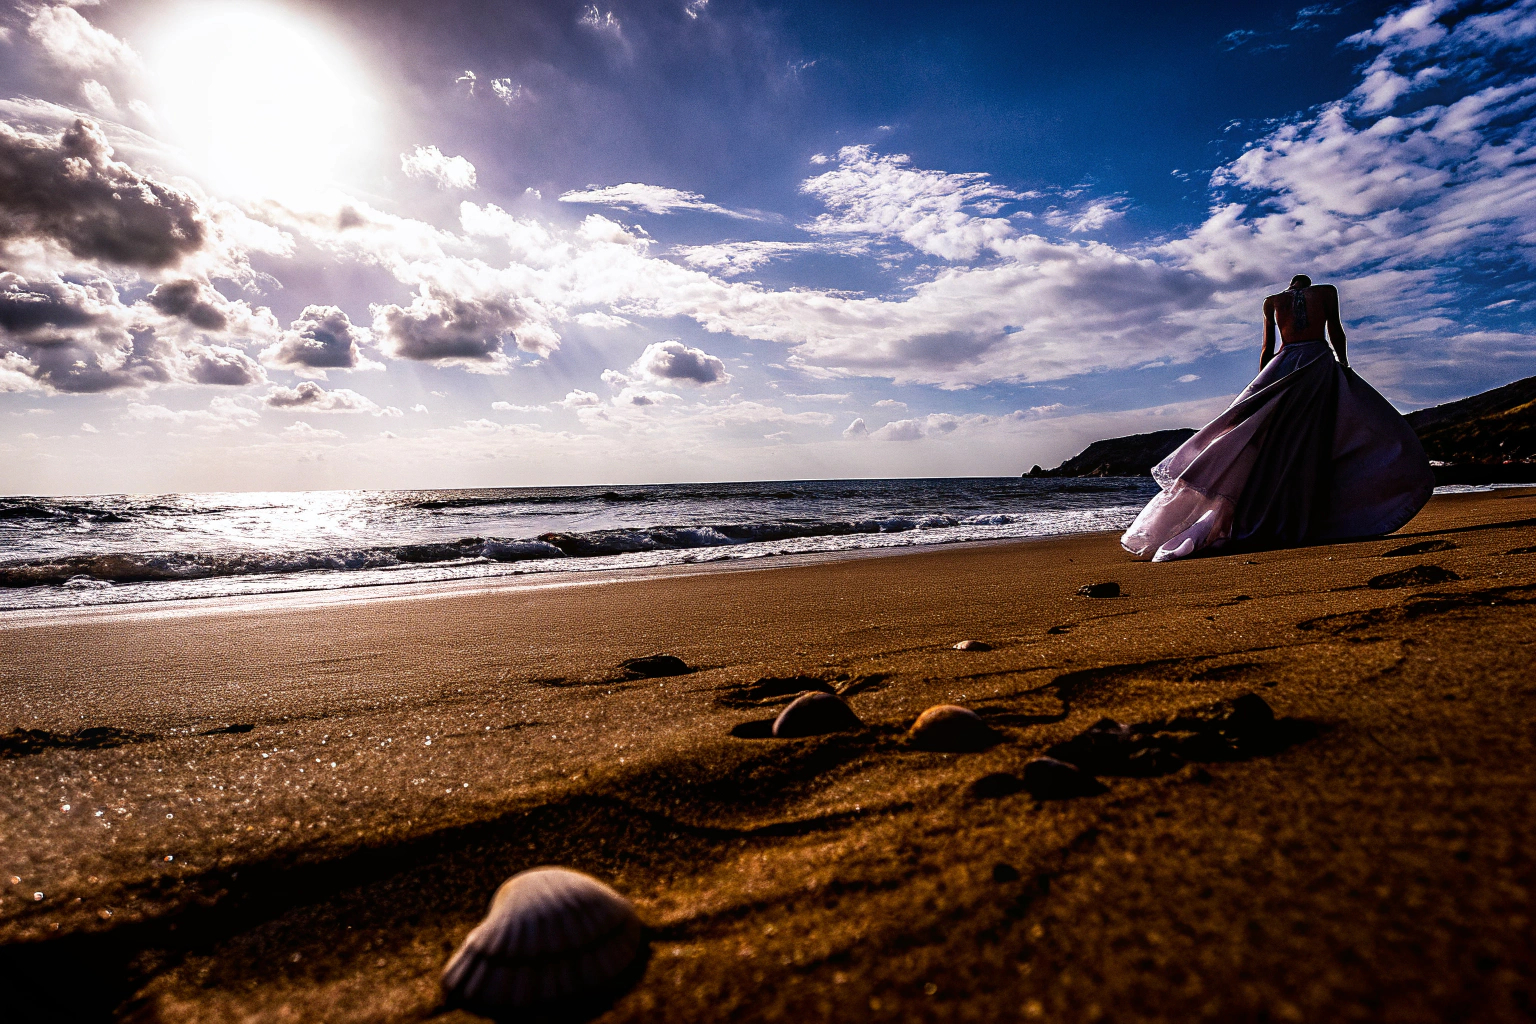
294 810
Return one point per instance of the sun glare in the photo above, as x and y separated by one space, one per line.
266 103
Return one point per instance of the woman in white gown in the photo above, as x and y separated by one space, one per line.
1308 452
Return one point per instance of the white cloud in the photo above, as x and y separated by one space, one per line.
222 414
858 428
71 41
602 321
601 21
886 196
86 428
311 397
447 171
659 199
506 90
97 96
1188 378
694 8
418 407
509 407
674 361
730 259
579 399
890 403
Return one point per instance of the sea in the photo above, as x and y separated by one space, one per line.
60 552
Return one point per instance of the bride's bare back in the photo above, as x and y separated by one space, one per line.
1301 312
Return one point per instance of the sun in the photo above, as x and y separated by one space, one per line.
263 101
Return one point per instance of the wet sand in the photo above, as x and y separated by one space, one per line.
293 810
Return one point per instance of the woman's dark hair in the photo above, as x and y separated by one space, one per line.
1301 281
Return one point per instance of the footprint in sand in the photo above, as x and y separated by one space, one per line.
1418 576
1423 547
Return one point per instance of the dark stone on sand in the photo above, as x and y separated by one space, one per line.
1005 873
1108 589
1049 779
228 730
990 787
952 729
655 666
1418 576
813 714
1423 547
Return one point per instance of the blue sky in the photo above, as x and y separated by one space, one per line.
264 246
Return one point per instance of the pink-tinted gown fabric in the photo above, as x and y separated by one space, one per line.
1308 452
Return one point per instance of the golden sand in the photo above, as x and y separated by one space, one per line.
404 756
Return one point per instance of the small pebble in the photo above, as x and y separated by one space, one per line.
815 713
1049 779
951 728
973 645
1108 589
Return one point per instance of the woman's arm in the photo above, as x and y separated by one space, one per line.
1268 351
1335 327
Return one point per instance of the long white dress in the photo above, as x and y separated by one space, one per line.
1308 452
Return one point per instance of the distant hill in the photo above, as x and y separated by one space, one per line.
1120 456
1488 438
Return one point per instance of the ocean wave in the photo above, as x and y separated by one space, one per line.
92 570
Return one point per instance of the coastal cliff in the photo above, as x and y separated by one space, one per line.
1120 456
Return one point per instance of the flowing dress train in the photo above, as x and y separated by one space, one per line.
1308 452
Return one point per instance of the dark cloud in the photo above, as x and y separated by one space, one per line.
322 338
68 189
186 299
225 366
443 327
73 336
672 360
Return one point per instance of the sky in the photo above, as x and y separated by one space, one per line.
260 245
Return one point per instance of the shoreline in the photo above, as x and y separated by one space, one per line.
298 811
309 598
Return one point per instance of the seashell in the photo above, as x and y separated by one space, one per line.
814 713
1110 589
973 645
1049 779
949 727
554 940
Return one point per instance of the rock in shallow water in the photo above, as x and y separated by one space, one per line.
555 941
1049 779
812 714
951 728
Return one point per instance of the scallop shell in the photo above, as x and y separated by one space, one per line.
814 713
950 727
553 938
